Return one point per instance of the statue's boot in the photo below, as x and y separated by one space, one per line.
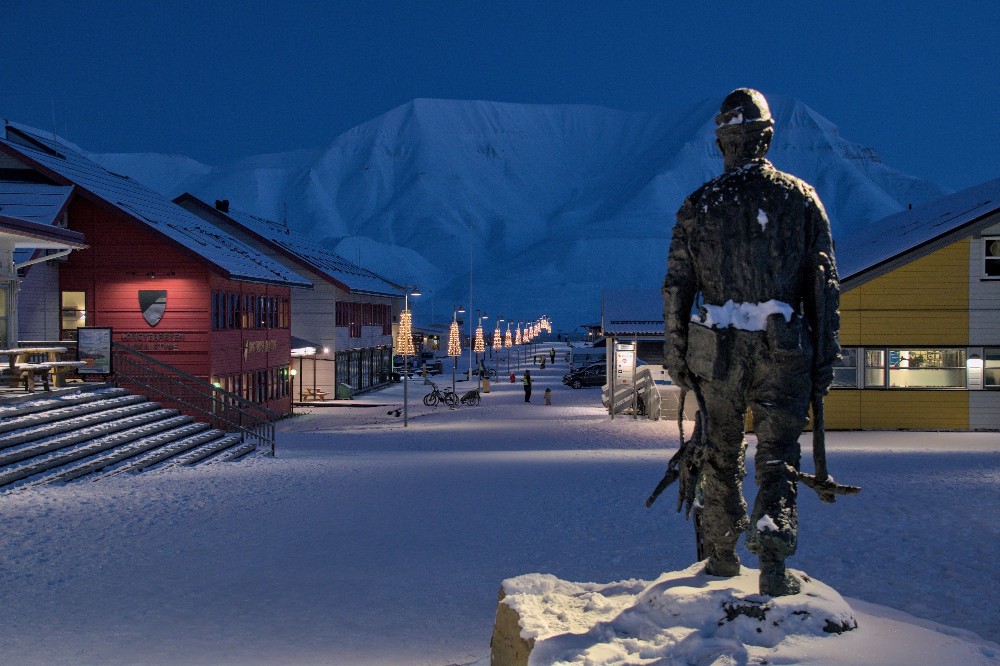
723 561
775 581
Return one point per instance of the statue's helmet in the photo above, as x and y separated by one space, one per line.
743 127
746 108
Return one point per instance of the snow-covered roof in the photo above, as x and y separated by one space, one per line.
34 202
926 226
306 253
636 312
225 254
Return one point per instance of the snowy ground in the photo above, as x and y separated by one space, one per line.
364 542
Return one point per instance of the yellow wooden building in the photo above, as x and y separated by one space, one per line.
920 318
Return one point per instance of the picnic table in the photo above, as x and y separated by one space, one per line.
22 366
314 393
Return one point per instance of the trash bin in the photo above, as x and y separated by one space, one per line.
345 391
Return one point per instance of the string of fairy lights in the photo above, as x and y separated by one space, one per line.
521 336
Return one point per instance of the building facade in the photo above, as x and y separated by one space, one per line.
168 284
342 326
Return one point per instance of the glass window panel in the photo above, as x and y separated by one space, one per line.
927 368
74 310
874 368
845 371
991 368
991 265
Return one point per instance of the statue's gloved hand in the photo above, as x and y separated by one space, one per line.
822 379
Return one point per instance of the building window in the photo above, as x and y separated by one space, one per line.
74 310
991 260
991 368
927 368
874 368
845 371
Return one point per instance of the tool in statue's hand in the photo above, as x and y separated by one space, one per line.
822 482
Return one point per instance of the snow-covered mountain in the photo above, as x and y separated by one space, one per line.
552 204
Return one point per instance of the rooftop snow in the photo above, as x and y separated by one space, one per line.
34 202
897 234
234 259
315 256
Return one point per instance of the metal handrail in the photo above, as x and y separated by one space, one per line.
194 395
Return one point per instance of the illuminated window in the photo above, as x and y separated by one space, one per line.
74 310
991 260
927 368
874 368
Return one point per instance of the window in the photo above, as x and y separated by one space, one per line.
991 260
991 368
874 368
927 368
74 310
845 371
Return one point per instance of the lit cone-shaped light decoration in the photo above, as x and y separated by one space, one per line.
404 341
517 338
497 340
508 341
480 345
454 343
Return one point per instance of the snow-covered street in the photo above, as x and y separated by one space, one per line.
364 542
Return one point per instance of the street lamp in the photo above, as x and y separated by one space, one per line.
479 346
404 343
454 343
508 342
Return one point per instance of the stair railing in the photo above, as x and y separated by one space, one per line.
194 396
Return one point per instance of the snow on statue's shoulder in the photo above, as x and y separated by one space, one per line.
689 617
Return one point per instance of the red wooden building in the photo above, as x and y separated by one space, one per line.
169 284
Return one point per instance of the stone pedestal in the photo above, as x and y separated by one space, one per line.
681 615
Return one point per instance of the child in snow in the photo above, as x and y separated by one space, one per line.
548 396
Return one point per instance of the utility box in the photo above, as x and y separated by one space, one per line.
345 391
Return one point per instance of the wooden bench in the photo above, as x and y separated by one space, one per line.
62 368
315 394
27 373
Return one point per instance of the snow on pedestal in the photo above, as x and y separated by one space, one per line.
686 616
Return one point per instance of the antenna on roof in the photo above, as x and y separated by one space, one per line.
284 214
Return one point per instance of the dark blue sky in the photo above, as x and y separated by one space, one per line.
220 80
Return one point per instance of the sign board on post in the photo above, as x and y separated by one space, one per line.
624 363
93 347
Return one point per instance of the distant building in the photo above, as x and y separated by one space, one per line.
344 324
151 272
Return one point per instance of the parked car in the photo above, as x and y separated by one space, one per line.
591 375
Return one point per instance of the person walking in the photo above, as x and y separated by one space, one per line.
552 355
526 380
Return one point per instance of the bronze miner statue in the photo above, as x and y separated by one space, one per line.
751 302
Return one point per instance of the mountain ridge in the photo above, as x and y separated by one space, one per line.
551 204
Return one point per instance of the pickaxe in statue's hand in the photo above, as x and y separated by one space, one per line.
822 482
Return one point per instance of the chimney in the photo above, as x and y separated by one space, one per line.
222 205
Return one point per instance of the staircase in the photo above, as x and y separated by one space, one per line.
95 433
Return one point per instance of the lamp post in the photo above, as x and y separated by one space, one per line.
404 342
508 342
479 346
454 343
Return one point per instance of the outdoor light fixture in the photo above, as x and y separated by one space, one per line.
517 338
404 340
508 340
480 345
454 341
497 338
